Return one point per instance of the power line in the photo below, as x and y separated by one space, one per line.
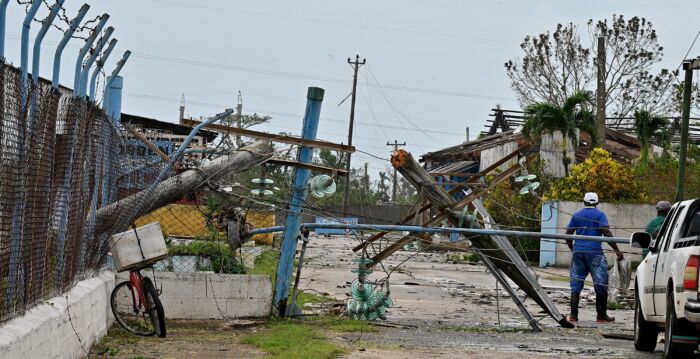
306 20
284 114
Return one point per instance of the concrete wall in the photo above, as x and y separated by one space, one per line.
551 147
45 331
623 218
205 295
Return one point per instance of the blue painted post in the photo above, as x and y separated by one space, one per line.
113 98
115 83
100 65
64 41
16 272
299 190
3 17
84 50
36 58
36 52
91 60
24 56
548 247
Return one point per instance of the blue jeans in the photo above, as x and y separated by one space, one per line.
593 263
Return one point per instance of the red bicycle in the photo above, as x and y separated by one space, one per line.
136 306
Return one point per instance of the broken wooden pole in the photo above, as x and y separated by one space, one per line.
173 188
512 266
519 151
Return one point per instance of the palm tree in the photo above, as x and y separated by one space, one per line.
545 117
647 127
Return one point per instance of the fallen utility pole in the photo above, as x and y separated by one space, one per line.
356 66
519 151
173 188
512 266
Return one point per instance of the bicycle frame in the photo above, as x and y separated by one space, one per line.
136 284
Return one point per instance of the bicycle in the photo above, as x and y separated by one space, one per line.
136 306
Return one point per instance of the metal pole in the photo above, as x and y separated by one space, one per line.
356 66
91 60
36 53
418 229
239 118
3 17
24 59
100 65
64 41
293 310
84 50
395 183
113 89
301 179
685 120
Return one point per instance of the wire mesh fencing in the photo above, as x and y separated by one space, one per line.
61 161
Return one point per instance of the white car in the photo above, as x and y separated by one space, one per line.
666 287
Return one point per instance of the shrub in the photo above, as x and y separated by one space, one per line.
611 180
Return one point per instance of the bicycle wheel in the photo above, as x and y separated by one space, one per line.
129 311
155 307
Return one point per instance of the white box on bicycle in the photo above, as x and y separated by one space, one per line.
138 248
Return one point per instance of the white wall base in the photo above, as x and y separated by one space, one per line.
205 295
45 331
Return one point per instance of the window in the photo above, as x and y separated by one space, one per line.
675 223
659 240
692 228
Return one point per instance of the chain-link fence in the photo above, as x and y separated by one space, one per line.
60 160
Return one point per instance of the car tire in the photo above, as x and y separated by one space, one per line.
676 328
646 334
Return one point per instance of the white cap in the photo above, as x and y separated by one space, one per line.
590 198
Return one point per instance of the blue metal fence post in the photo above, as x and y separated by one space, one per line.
98 68
299 190
113 98
82 87
24 55
84 50
64 41
3 17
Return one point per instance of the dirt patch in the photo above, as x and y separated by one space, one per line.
185 339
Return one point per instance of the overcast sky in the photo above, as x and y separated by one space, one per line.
445 56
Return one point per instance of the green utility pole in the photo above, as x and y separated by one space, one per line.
688 67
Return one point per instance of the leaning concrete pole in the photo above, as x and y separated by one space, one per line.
175 187
501 253
314 98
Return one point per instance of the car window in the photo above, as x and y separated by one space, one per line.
659 240
692 229
675 223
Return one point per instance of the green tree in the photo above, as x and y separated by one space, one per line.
547 117
648 127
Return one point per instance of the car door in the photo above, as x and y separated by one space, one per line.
646 286
661 275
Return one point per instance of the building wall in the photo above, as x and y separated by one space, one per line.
494 154
623 218
551 147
